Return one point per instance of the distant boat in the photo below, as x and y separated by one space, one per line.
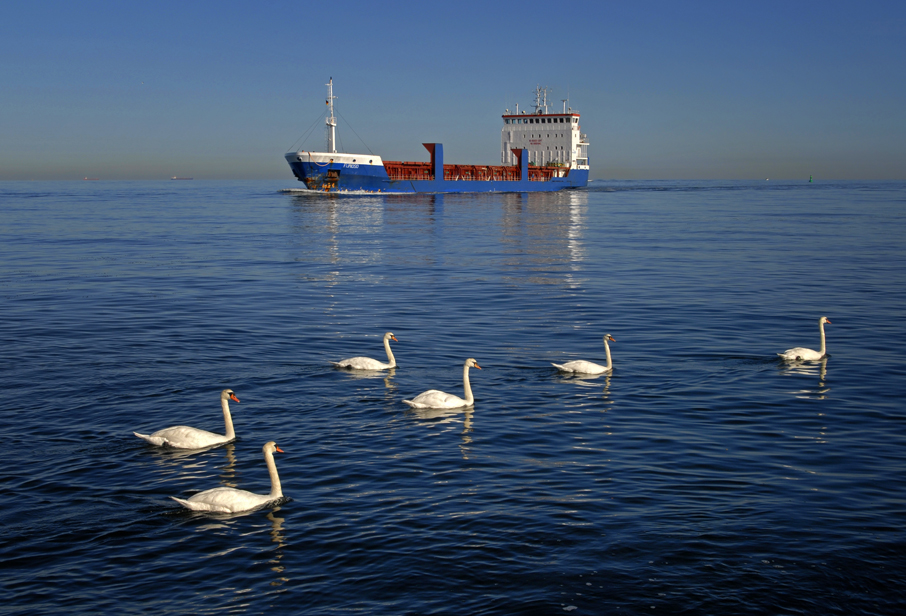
91 178
176 178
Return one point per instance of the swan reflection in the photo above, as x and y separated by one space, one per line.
580 378
278 536
228 472
811 369
444 415
466 433
434 417
369 374
590 381
193 460
387 375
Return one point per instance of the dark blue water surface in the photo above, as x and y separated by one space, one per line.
703 477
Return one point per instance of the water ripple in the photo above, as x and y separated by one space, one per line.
703 475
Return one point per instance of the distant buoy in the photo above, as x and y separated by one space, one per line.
809 179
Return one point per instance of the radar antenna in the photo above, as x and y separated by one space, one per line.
541 99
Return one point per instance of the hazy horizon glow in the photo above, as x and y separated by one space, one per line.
666 90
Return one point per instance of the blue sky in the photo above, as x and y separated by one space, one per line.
712 90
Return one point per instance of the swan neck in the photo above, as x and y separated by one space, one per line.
390 359
607 350
823 349
227 419
469 398
276 488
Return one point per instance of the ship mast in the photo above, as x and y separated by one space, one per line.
331 120
541 100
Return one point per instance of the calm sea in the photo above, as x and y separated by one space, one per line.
703 477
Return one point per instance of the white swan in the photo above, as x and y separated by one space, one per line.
232 500
366 363
434 399
803 354
586 367
184 437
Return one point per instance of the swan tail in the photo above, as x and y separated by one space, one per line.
182 502
154 440
559 367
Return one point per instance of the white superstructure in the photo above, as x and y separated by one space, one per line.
549 138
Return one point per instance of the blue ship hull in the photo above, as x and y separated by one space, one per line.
341 176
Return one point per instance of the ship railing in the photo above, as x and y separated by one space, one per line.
480 173
406 171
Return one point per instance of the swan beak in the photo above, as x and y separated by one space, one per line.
477 366
828 321
233 397
394 337
278 449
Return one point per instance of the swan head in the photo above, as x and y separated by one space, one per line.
390 336
270 447
608 337
227 394
824 320
471 363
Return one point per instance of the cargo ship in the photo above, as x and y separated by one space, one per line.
540 151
